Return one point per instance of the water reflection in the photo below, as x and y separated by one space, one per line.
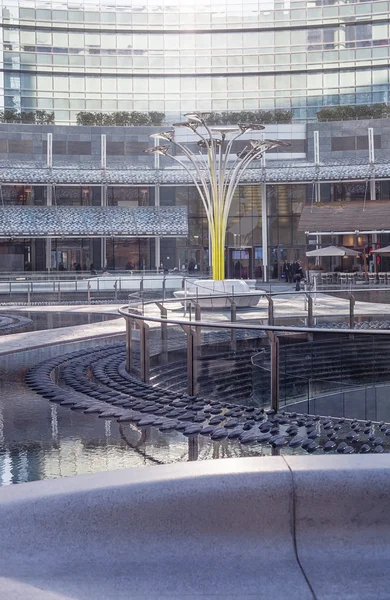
41 440
53 320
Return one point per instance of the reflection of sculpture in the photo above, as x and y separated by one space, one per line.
215 177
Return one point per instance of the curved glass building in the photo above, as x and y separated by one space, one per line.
181 55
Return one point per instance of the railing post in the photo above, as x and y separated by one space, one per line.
28 294
164 333
198 317
274 343
309 310
144 350
59 291
141 293
116 290
89 291
163 287
351 311
192 363
128 345
270 309
233 319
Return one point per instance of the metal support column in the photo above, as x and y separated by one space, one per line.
274 343
371 146
164 333
233 319
49 151
157 241
351 311
129 324
144 350
309 300
49 202
270 309
103 249
103 151
317 185
192 362
264 231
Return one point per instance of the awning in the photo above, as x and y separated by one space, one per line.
332 217
93 221
384 250
333 251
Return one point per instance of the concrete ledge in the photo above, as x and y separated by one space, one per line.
215 529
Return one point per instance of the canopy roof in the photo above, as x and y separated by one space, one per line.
333 251
385 250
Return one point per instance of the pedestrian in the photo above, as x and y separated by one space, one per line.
287 271
298 275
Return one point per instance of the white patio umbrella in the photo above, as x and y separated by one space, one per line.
385 250
333 251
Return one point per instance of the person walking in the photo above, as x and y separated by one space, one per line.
287 272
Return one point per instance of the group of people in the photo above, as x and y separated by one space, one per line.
293 272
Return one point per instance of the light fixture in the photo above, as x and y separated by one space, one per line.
250 127
157 150
164 135
188 124
194 117
214 176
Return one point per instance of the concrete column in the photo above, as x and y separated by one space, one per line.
103 151
49 155
157 252
339 36
264 230
317 188
49 202
103 252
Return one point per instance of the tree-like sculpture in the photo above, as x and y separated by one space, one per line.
215 173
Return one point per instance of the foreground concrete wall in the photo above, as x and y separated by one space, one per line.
283 528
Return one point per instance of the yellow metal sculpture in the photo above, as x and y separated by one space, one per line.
215 172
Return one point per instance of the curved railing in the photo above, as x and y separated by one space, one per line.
182 347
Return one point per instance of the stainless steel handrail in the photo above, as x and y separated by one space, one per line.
192 330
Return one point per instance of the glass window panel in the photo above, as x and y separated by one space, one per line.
27 13
44 59
77 84
92 17
60 15
92 39
380 76
331 80
43 14
363 77
314 81
77 60
27 37
60 39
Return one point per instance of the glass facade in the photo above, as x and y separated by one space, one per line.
208 55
